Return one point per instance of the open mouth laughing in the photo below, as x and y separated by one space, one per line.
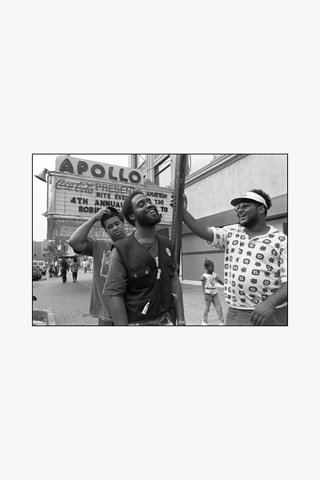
152 211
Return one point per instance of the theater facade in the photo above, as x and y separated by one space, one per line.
78 188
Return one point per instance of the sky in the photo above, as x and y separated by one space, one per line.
39 188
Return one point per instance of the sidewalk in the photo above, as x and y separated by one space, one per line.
194 305
70 301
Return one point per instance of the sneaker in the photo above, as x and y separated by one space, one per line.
221 323
204 323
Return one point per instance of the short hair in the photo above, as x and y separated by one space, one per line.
127 209
208 262
263 195
113 213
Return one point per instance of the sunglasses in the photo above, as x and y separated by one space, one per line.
244 206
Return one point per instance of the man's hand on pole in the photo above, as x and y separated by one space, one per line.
185 202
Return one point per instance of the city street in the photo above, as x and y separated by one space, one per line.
69 302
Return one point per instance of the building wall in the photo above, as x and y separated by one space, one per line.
213 193
38 247
209 193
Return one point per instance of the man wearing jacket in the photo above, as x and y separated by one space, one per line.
142 282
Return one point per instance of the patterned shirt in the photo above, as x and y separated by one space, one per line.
254 268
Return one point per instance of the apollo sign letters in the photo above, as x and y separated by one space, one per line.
104 171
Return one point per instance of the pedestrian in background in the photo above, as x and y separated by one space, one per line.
210 292
100 249
56 269
74 268
64 268
85 264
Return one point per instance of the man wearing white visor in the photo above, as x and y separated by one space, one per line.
255 263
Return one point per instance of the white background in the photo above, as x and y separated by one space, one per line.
190 403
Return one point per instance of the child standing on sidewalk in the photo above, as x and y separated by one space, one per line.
210 292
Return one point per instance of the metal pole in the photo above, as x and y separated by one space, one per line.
134 161
177 211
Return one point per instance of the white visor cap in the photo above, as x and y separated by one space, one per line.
252 196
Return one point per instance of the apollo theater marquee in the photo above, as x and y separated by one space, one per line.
78 188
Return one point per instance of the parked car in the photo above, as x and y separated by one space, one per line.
36 272
42 266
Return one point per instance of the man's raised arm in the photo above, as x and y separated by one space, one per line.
195 226
78 239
